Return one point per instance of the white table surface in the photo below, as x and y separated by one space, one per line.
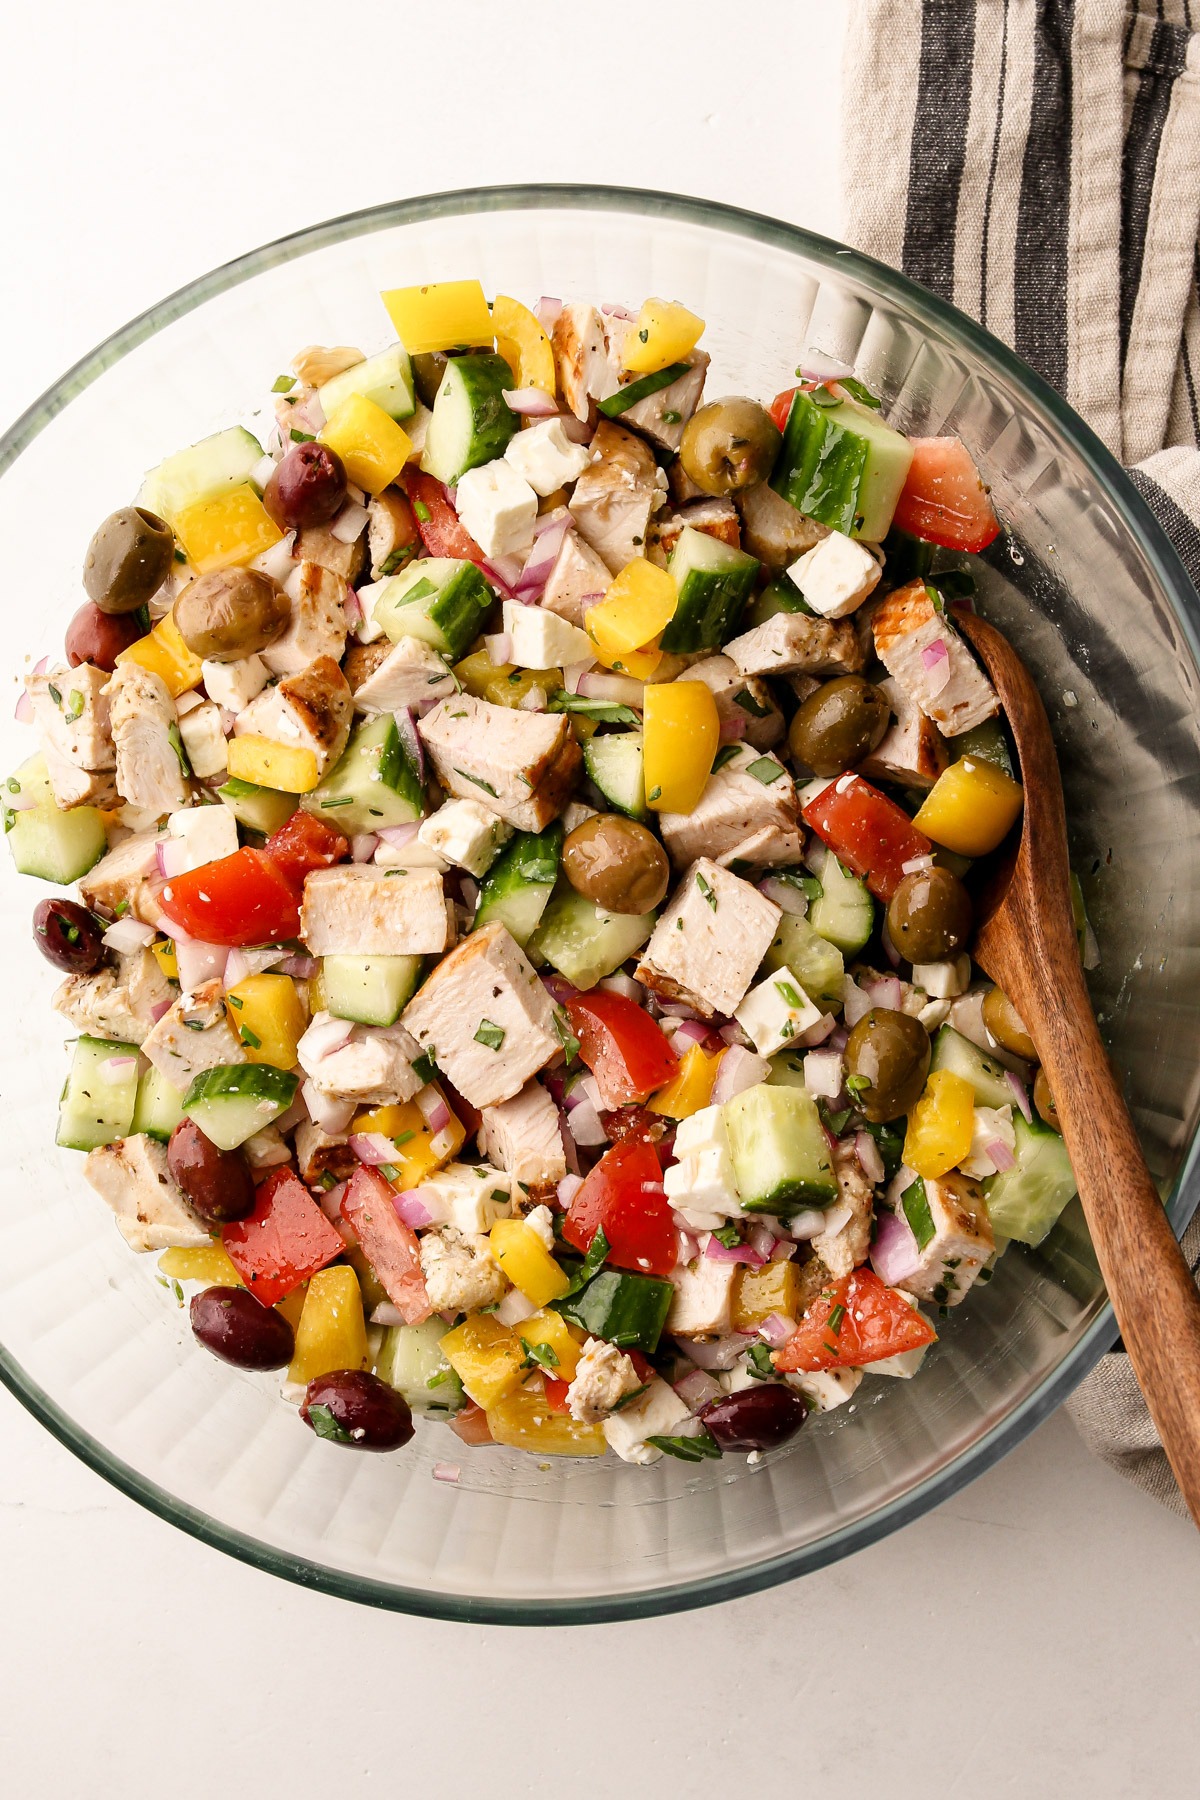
1038 1634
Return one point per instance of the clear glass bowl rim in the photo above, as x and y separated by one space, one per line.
1168 570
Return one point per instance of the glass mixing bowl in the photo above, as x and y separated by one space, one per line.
1090 591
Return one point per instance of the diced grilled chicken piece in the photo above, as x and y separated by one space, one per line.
126 880
578 579
709 941
372 1065
844 1247
132 1175
912 750
906 623
524 763
742 700
662 416
316 364
116 1003
317 625
460 1271
485 1018
794 643
73 786
317 544
389 526
703 1301
193 1034
616 496
319 1153
603 1376
410 674
682 488
71 710
715 518
358 909
740 817
773 530
309 711
522 1136
962 1240
586 370
361 661
204 740
146 738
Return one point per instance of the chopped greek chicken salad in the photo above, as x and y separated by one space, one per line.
520 809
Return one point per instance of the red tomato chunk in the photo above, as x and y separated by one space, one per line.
621 1045
388 1244
303 844
623 1197
855 1321
240 900
867 832
944 500
283 1241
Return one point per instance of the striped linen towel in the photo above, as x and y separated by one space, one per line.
1037 162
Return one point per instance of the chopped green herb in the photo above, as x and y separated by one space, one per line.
283 384
565 1036
326 1426
422 511
328 1180
765 769
185 767
790 995
195 1024
346 800
857 1084
74 706
389 1171
420 590
671 417
249 1038
301 437
425 1067
629 1398
727 1235
745 699
181 556
396 561
812 887
592 1263
653 795
858 392
491 1036
605 712
833 1121
724 755
479 782
836 1319
235 1000
758 1356
706 890
55 695
404 1138
688 1449
915 1204
543 1355
644 336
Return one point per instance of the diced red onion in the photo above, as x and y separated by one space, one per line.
760 1237
782 894
570 1149
782 1250
302 967
885 992
159 1008
128 935
23 714
894 1254
732 731
42 664
557 521
503 572
573 673
363 846
823 1073
499 647
372 1148
411 1209
934 653
806 1224
719 1353
625 985
530 402
356 493
387 1314
738 1070
198 962
889 948
352 606
296 1114
578 431
1019 1095
732 1033
689 1244
1002 1157
113 1066
618 312
916 864
325 1035
547 310
444 1471
585 1126
558 988
838 1038
821 368
406 725
697 1388
439 1117
350 523
867 1152
819 1033
171 856
621 690
776 1329
330 1202
838 1215
399 835
589 1089
693 1031
331 1114
567 1189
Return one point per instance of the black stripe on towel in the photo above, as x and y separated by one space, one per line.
1043 211
984 244
1183 531
1165 61
939 142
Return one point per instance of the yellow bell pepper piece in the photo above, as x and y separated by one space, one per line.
971 807
503 683
227 530
163 952
207 1263
419 1152
164 652
486 1356
526 1261
548 1330
940 1125
680 734
288 767
268 1016
757 1293
370 443
665 333
292 1305
523 344
331 1333
689 1089
636 608
525 1421
440 316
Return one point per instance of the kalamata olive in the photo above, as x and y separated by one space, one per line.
353 1408
839 724
729 445
128 559
216 1184
68 936
239 1329
428 369
307 488
890 1051
99 637
929 915
1006 1024
755 1418
231 613
1043 1099
616 863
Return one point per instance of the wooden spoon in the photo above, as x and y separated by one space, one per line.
1026 942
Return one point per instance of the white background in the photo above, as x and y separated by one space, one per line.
1035 1636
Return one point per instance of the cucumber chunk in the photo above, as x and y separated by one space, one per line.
842 465
386 379
779 1149
53 845
411 1361
986 743
714 582
951 1050
99 1098
844 911
614 763
817 964
31 782
371 990
437 599
471 423
201 472
583 943
230 1103
519 885
374 783
257 808
1024 1202
159 1106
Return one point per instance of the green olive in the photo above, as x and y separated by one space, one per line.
428 368
839 724
617 864
729 445
929 915
890 1051
1043 1099
128 560
230 614
1006 1024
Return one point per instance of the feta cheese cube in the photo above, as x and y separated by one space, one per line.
700 1184
836 575
961 1241
465 833
234 685
826 1388
944 980
470 1197
992 1125
906 1363
776 1012
498 508
658 1413
203 739
703 1302
369 630
541 640
544 456
209 832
